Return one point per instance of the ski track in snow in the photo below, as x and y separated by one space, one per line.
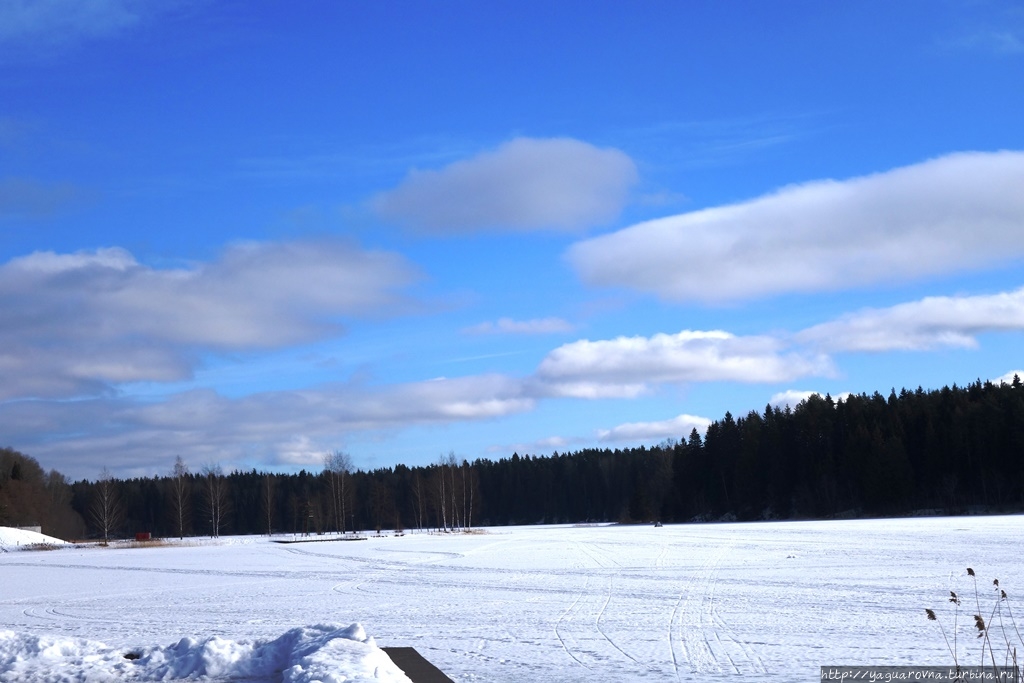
566 617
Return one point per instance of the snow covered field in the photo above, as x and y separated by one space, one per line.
768 601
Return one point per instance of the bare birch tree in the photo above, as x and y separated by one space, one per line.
470 484
179 495
452 463
442 500
215 492
337 467
106 506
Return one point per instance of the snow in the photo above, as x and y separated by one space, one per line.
326 653
19 539
766 601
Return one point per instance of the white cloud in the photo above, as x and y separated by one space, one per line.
510 326
526 184
932 322
626 366
957 212
791 398
71 324
675 428
1008 377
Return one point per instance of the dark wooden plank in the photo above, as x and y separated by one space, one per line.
418 669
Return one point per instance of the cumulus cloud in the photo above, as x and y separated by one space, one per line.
626 366
526 184
1008 377
957 212
790 397
510 326
932 322
675 428
793 397
71 324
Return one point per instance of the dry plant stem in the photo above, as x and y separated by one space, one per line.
1002 628
956 649
977 599
991 650
947 645
1014 622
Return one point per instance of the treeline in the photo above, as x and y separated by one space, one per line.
29 496
952 450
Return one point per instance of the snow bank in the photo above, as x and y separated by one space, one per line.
325 653
13 539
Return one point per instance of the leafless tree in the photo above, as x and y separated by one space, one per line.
470 486
215 492
179 494
106 507
442 500
451 464
337 467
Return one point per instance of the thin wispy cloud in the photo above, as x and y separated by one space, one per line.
710 143
524 185
23 198
954 213
12 130
511 326
998 41
57 22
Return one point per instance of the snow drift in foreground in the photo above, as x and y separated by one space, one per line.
327 653
14 539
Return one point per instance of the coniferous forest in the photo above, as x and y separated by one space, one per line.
954 450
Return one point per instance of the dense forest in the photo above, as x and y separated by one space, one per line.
952 450
30 496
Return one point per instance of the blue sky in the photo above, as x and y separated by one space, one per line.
253 233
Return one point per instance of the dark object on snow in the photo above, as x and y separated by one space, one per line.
657 524
132 655
415 666
308 539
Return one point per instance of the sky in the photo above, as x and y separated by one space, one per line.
250 234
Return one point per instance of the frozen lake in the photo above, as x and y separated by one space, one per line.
767 601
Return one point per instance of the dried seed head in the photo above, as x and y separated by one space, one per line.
970 572
1002 594
953 598
979 624
995 582
931 615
